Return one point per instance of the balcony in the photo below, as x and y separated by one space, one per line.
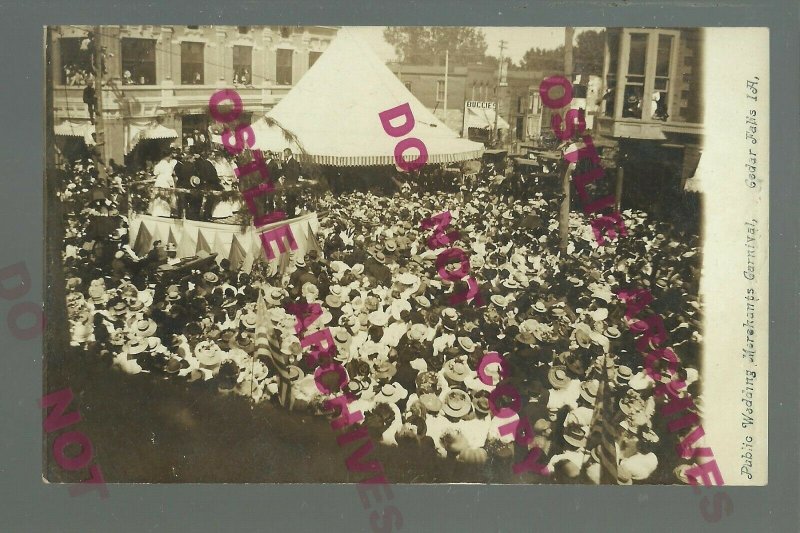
631 128
148 101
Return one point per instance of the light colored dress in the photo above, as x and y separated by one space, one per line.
160 207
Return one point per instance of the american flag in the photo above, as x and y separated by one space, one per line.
268 345
604 430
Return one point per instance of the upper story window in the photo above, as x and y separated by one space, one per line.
192 63
286 31
440 91
76 63
138 58
283 70
534 104
312 58
643 60
242 65
243 29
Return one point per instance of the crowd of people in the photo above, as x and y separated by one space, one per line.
411 356
198 182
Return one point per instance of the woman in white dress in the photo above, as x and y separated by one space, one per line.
160 207
225 208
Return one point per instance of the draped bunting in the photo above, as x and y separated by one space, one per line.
238 254
202 243
143 242
228 241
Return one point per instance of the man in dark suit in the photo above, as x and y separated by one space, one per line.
184 170
291 168
274 170
291 179
209 181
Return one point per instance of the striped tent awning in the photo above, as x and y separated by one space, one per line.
69 128
332 116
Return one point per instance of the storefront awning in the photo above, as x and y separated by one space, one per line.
483 119
138 132
76 129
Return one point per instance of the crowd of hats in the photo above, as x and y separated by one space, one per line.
411 358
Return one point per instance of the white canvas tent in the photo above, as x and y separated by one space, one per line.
333 113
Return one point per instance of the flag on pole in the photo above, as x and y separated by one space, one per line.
268 345
312 242
604 430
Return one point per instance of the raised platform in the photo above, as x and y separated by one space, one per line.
241 246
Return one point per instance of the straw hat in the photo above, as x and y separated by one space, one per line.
208 354
422 301
173 293
391 393
431 402
384 370
481 404
467 344
583 338
143 328
576 435
589 390
456 403
558 378
249 321
136 346
539 307
624 374
243 341
273 296
295 373
499 300
333 300
379 318
612 332
456 371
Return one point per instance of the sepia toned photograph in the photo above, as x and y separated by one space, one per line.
327 254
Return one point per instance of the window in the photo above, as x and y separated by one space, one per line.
519 106
192 63
243 29
76 65
647 61
634 81
533 102
408 85
193 27
312 58
658 107
440 91
242 64
138 61
283 71
286 31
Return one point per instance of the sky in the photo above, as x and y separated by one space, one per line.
518 39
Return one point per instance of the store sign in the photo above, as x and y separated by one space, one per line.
480 105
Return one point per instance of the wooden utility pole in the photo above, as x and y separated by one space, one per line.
563 218
99 127
446 71
497 91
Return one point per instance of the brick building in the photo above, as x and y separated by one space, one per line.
518 99
167 73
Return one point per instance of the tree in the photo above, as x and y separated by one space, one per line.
589 52
543 60
426 45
